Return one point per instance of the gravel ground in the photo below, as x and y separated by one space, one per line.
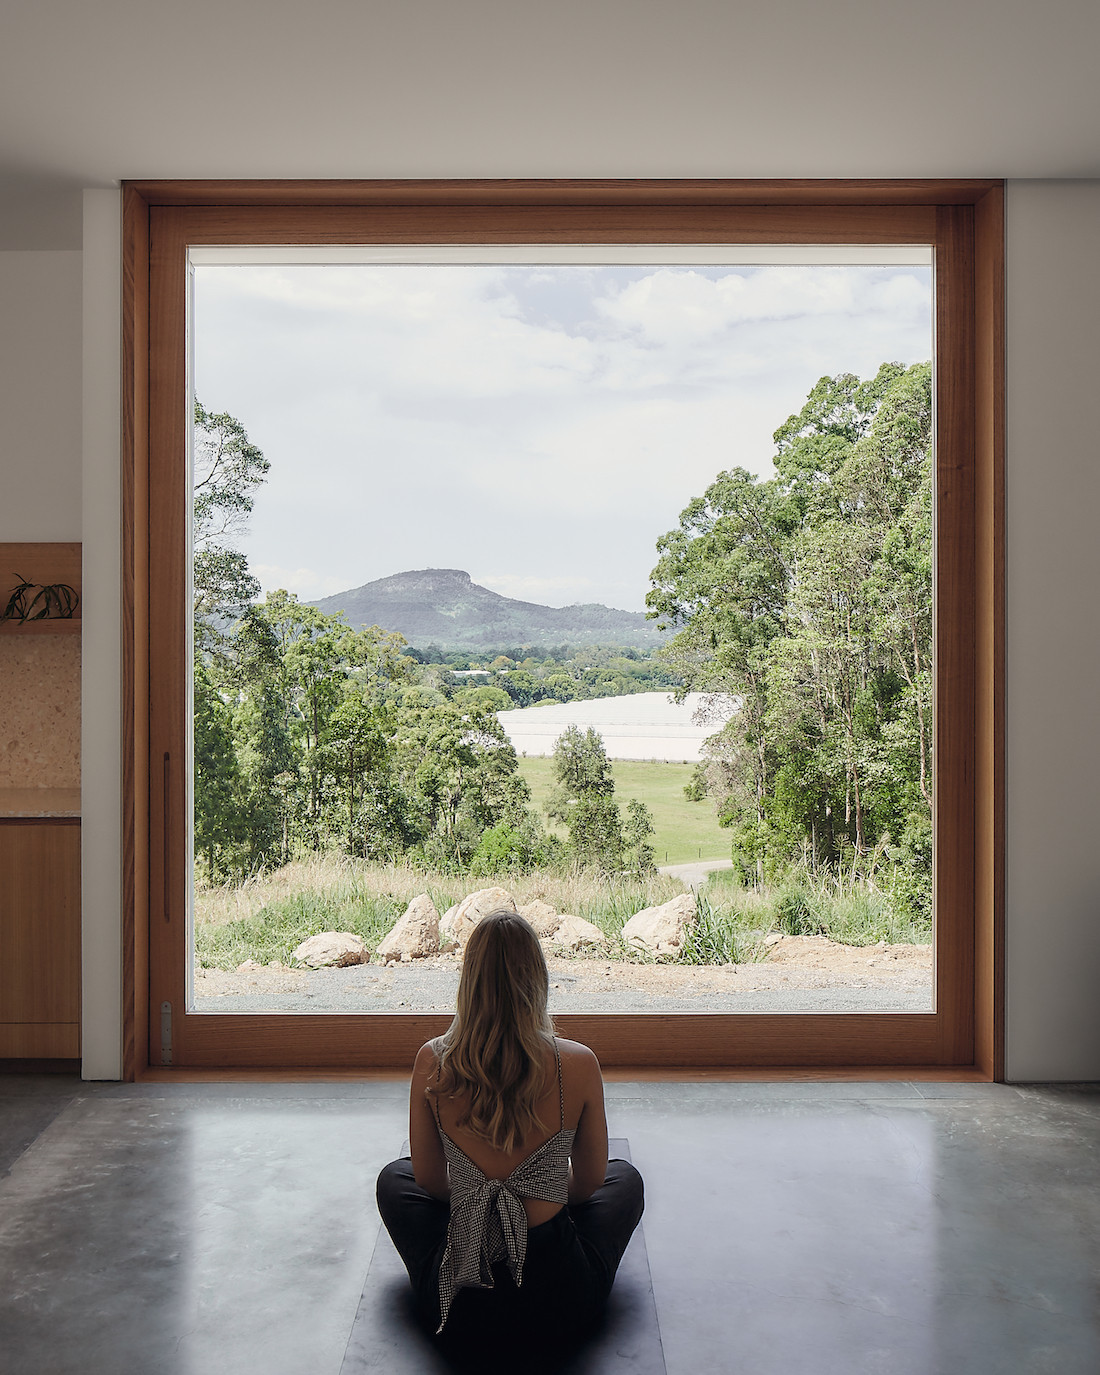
801 974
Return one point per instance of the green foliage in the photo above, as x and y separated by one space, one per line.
512 849
334 745
310 734
695 789
682 830
219 813
638 855
808 598
527 676
723 933
228 469
584 800
852 912
581 768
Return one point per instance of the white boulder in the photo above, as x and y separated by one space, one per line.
331 948
459 920
573 933
415 934
541 916
661 930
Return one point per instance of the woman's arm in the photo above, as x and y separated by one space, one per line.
589 1154
428 1161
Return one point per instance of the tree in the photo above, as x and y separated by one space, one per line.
638 856
355 753
460 771
219 816
808 597
228 469
583 798
581 768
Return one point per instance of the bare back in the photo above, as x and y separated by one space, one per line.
581 1106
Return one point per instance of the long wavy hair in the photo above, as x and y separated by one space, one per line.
493 1056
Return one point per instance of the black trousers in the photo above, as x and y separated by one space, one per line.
567 1276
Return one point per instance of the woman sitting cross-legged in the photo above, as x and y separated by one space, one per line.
509 1217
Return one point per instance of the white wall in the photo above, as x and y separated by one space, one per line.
1053 764
101 669
40 421
1053 634
59 480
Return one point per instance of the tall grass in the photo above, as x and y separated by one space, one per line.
265 917
852 913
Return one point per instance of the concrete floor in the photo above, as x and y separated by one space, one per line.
792 1229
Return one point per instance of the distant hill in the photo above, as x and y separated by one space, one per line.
444 606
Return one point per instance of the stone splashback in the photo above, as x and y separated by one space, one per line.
39 711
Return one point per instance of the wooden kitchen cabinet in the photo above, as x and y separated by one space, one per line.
40 937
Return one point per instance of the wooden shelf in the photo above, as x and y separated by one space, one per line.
56 626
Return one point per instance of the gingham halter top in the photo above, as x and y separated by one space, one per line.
488 1222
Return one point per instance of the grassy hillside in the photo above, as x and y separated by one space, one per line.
683 830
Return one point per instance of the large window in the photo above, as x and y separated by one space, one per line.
706 241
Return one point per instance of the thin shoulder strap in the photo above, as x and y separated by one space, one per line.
561 1087
433 1094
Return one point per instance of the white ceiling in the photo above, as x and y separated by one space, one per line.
93 91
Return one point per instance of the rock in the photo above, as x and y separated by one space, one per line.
460 920
247 966
339 948
541 916
415 934
661 930
572 933
446 921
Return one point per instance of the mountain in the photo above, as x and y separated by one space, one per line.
444 606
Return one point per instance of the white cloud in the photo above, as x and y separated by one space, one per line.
547 425
672 306
307 584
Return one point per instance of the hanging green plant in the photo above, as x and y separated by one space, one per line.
55 601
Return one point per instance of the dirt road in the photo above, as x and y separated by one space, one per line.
696 873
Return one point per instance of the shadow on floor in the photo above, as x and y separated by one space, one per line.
387 1336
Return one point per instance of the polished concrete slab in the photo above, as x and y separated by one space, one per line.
792 1229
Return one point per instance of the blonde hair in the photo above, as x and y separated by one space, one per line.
493 1055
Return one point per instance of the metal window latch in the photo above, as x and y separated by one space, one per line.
166 1033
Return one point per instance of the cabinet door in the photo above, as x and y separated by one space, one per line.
39 938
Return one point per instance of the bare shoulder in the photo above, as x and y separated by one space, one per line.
579 1058
424 1063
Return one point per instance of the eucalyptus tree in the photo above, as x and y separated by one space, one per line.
228 468
808 597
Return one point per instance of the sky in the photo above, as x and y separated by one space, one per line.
537 426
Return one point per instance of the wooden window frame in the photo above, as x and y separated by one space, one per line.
964 222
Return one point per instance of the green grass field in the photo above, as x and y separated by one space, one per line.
683 830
